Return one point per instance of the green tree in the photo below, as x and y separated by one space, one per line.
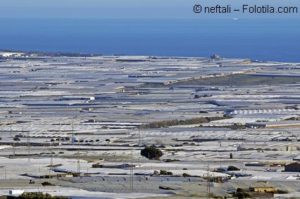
151 152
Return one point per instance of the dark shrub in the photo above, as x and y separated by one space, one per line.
232 168
186 175
39 195
164 172
47 184
151 152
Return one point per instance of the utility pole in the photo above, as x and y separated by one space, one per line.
59 132
73 134
28 143
131 178
140 138
72 137
87 168
78 166
14 149
131 171
208 183
51 155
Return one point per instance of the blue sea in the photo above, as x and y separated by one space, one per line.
259 39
